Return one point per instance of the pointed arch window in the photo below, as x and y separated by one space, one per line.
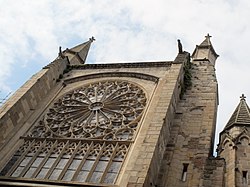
84 137
245 177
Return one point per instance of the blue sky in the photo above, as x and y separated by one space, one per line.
32 31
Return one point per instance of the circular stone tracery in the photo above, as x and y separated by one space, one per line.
96 106
104 110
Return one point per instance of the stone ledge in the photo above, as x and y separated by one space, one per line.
124 65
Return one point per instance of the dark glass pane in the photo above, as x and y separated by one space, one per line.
49 162
68 175
114 168
75 163
25 161
42 173
29 172
110 178
82 176
37 162
88 165
55 174
101 166
9 165
96 177
62 163
17 172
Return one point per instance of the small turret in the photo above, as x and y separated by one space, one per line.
205 51
234 146
239 122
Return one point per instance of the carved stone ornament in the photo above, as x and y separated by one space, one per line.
107 110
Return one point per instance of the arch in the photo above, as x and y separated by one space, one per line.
226 143
244 139
113 74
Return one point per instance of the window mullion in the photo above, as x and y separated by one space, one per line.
95 163
82 162
13 168
109 163
122 162
32 160
56 161
69 162
44 160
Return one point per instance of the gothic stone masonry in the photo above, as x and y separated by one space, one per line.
122 124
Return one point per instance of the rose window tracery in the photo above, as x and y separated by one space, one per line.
108 110
70 142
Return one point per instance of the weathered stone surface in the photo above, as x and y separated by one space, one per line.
173 142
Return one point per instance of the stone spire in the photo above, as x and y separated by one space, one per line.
205 51
241 115
78 54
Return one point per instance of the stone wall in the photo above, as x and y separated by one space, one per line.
25 101
191 138
234 148
229 153
151 141
214 173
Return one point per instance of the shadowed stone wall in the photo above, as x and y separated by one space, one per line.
193 130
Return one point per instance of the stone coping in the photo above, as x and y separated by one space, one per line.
124 65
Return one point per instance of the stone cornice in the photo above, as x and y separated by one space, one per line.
124 65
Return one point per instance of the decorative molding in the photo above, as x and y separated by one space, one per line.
113 74
107 110
124 65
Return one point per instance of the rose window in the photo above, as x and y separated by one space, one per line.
71 141
109 110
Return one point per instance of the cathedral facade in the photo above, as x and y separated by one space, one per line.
122 124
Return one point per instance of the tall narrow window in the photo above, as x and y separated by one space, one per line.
184 172
244 177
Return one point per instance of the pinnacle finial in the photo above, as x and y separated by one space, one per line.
208 36
242 97
60 54
92 39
